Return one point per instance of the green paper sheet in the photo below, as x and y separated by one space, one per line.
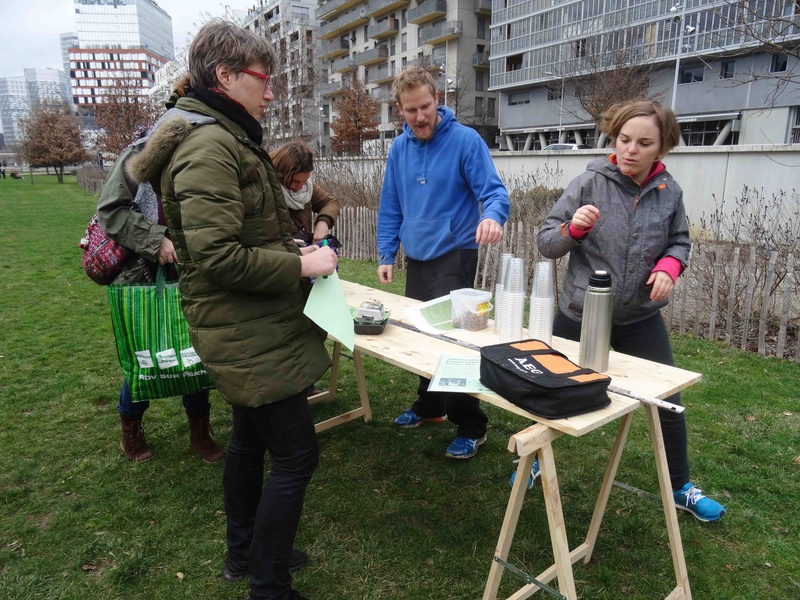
328 308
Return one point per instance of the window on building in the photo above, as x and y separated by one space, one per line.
404 18
691 74
481 35
491 108
779 64
478 106
404 42
726 69
517 98
705 133
479 81
794 132
514 63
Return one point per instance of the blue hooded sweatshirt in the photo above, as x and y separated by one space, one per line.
435 192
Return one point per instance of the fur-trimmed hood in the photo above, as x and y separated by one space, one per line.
154 150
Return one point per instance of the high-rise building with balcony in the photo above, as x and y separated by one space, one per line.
119 43
717 63
295 113
375 40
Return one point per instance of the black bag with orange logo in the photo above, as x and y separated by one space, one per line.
534 376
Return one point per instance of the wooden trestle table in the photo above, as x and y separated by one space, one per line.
419 353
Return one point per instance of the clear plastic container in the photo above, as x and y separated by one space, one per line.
470 308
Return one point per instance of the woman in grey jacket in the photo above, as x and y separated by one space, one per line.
625 215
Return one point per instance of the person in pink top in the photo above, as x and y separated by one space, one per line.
625 215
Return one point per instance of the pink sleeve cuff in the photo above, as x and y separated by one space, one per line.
671 266
576 233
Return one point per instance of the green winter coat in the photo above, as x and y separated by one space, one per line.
239 268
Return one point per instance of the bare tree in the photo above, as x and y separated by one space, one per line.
297 76
124 109
51 137
607 76
357 120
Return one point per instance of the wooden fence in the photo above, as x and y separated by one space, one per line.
746 297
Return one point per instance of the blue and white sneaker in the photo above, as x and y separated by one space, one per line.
464 447
535 472
692 499
411 419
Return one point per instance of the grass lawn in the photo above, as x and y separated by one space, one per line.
386 516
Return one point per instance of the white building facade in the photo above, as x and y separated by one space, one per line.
18 95
718 65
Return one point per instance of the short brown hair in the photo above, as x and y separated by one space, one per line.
411 78
617 115
292 158
221 42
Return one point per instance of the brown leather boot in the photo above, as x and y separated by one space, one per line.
133 443
201 441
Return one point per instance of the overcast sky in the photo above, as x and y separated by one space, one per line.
31 28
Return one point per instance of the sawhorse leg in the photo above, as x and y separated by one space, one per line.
364 410
682 590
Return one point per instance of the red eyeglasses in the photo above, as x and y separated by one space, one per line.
261 76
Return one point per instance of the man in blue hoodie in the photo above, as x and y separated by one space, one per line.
441 197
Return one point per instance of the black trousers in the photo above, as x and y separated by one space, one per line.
426 280
646 339
262 519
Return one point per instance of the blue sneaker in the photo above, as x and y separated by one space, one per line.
410 419
535 472
692 499
464 447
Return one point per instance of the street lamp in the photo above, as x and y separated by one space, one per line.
678 18
560 104
319 123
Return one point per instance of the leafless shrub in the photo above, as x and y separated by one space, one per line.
354 182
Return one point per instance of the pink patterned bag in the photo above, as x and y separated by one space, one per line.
103 258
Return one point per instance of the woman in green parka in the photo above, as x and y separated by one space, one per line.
244 283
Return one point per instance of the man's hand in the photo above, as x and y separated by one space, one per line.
489 232
385 273
166 253
321 229
662 285
318 262
585 217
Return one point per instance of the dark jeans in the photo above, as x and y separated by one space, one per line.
262 523
646 339
426 280
196 404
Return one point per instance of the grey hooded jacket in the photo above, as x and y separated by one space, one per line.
637 227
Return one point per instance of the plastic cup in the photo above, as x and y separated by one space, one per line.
543 280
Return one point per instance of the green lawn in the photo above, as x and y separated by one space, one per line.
386 516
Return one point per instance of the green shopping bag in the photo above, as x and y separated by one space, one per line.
153 345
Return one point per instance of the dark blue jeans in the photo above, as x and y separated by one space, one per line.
262 523
196 404
426 280
646 339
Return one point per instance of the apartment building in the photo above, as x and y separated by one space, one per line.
717 63
119 43
374 41
296 113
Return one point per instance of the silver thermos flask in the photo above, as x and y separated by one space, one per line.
596 324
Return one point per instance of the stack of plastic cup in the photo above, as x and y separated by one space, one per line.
513 309
540 324
498 287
